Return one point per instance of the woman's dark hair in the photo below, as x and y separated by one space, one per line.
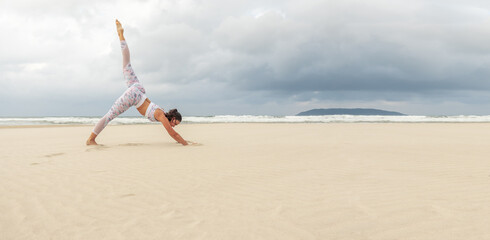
173 113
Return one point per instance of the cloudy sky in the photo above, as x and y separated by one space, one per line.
427 57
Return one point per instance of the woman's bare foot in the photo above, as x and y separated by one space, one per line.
120 30
91 140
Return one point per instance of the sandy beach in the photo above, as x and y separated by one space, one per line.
247 181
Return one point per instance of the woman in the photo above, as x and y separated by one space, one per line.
135 96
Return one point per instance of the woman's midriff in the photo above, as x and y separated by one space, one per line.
144 106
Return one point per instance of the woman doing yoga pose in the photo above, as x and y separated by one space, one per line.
135 96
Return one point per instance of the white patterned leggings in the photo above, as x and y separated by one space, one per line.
133 96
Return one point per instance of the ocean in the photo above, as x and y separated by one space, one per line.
23 121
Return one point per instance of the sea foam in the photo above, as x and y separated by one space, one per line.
6 121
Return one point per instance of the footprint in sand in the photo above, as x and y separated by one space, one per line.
47 156
53 155
96 148
127 195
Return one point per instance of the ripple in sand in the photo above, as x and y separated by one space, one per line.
131 144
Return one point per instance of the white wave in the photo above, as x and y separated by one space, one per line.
334 119
251 119
66 120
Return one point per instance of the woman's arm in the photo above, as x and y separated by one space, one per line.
160 116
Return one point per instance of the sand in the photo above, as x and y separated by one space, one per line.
247 181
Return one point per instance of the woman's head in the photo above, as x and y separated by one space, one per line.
173 117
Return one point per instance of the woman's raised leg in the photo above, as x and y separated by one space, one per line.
128 71
124 47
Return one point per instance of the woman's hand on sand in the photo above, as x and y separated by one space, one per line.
191 143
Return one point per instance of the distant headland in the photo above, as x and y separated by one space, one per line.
349 111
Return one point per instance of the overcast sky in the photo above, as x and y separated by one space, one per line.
422 57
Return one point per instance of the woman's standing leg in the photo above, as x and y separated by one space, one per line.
131 97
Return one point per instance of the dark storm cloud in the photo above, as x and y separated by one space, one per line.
232 56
